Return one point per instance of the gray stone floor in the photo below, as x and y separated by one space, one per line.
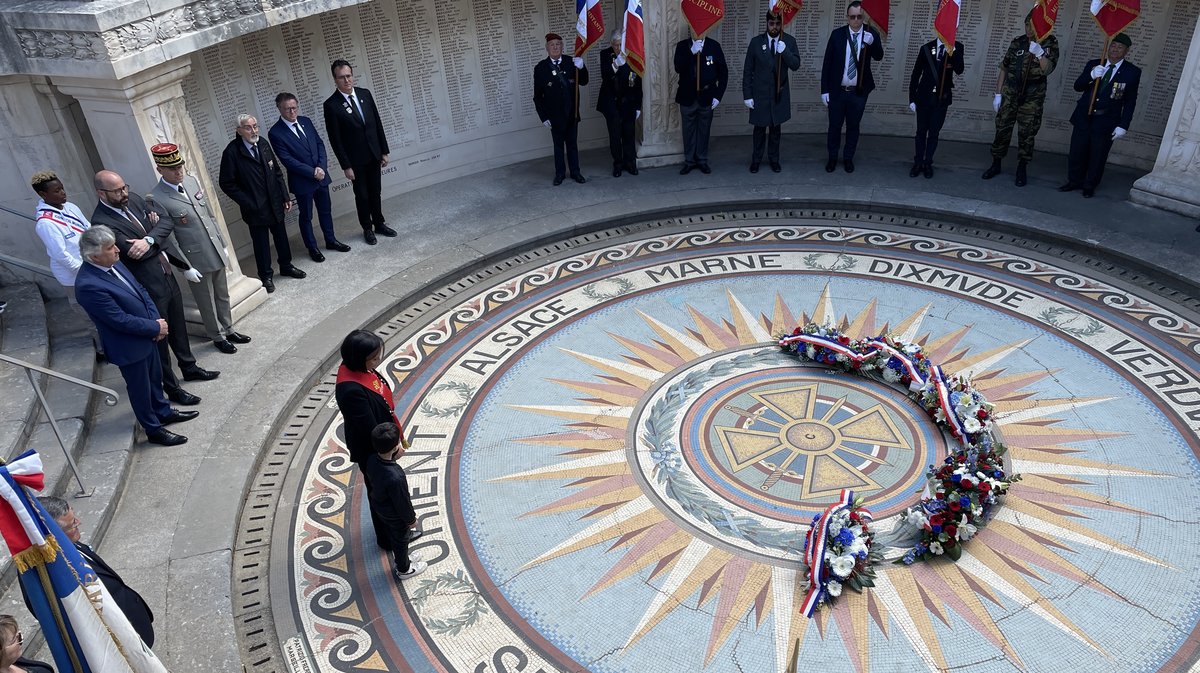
174 528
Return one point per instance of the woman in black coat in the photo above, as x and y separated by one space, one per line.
365 400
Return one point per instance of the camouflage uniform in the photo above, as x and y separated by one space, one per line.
1022 107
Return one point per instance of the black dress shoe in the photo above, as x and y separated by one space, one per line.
705 169
687 168
165 437
237 338
631 169
1069 187
384 230
616 171
915 170
268 285
1088 192
183 397
101 357
338 246
848 164
1022 179
993 170
315 255
292 272
831 165
200 374
579 178
928 170
225 346
558 180
177 416
414 533
753 168
369 237
775 167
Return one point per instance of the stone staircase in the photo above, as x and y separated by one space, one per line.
49 333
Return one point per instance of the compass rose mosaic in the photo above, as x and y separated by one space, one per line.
614 466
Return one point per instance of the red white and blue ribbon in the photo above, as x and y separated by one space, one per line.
814 555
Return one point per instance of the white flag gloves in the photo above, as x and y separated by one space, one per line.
912 107
996 103
825 98
638 115
1036 49
578 63
1098 72
192 276
715 103
780 47
697 45
546 123
868 37
749 103
619 60
1118 133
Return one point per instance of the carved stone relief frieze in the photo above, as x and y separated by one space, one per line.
57 44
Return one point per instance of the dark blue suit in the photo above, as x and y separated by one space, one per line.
128 324
301 157
1091 137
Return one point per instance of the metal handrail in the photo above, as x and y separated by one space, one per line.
28 266
110 398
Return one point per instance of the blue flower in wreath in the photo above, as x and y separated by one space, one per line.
845 537
937 529
955 397
956 478
965 501
910 557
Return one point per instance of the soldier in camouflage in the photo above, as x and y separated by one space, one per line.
1020 96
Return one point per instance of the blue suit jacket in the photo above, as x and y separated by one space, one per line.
300 157
127 321
1114 103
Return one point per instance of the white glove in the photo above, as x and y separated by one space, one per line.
697 45
1036 49
912 107
825 99
1118 133
868 38
193 276
715 103
578 63
780 46
1098 72
619 60
638 115
749 103
996 103
547 124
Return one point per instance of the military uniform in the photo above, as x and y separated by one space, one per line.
1023 96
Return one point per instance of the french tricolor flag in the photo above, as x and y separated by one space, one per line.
590 26
84 627
633 40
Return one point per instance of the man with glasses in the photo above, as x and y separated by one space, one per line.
132 605
846 81
148 250
356 136
253 178
765 88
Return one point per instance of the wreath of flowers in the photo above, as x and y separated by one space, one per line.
837 550
962 493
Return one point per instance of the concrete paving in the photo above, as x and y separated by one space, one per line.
175 525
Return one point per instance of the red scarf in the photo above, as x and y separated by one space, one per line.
374 382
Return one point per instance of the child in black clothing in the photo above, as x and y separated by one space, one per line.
390 497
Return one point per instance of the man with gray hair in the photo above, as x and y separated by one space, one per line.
132 605
130 327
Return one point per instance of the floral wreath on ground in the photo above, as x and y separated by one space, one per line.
961 494
837 550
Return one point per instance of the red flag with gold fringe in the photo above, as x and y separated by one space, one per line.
702 15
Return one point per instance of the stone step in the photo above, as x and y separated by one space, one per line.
23 335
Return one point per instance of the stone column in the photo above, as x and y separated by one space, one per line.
1174 184
662 142
126 117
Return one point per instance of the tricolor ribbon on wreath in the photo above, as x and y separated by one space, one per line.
816 541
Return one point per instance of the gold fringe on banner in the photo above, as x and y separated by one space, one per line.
38 555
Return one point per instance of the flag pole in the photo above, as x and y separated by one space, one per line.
1096 82
942 81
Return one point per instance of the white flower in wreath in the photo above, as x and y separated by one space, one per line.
810 353
859 546
967 531
834 588
890 375
972 424
940 415
916 518
842 566
936 548
840 358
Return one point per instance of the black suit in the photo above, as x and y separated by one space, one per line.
619 101
256 184
153 272
696 94
358 142
931 89
1091 137
847 103
131 602
554 98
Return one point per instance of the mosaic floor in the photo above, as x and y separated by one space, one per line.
612 465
